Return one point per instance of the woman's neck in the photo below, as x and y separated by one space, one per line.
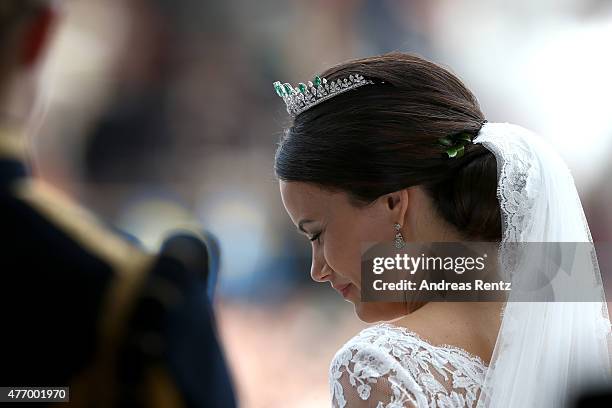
472 326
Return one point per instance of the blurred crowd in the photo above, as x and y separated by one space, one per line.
162 114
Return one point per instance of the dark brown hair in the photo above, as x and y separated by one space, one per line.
382 138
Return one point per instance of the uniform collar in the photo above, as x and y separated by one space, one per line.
12 156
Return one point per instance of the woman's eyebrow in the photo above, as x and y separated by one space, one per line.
301 225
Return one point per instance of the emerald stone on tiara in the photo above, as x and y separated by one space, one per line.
316 91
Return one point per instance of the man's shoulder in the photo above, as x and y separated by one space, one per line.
55 212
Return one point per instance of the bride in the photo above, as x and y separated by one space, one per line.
396 148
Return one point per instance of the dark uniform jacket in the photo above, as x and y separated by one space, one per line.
84 308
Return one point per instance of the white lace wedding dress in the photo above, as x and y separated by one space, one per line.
387 366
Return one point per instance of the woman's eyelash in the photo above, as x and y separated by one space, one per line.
315 237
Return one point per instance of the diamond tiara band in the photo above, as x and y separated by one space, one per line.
304 96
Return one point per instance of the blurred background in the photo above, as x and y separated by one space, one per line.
163 115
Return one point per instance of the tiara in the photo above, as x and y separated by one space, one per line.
304 96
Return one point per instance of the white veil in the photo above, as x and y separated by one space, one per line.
545 351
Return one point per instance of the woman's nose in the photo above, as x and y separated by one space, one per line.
317 269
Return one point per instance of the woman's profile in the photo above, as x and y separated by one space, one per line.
395 148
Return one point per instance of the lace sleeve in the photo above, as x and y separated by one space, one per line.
370 378
388 367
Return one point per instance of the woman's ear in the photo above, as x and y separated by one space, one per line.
397 205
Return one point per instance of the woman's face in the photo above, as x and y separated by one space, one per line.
337 229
